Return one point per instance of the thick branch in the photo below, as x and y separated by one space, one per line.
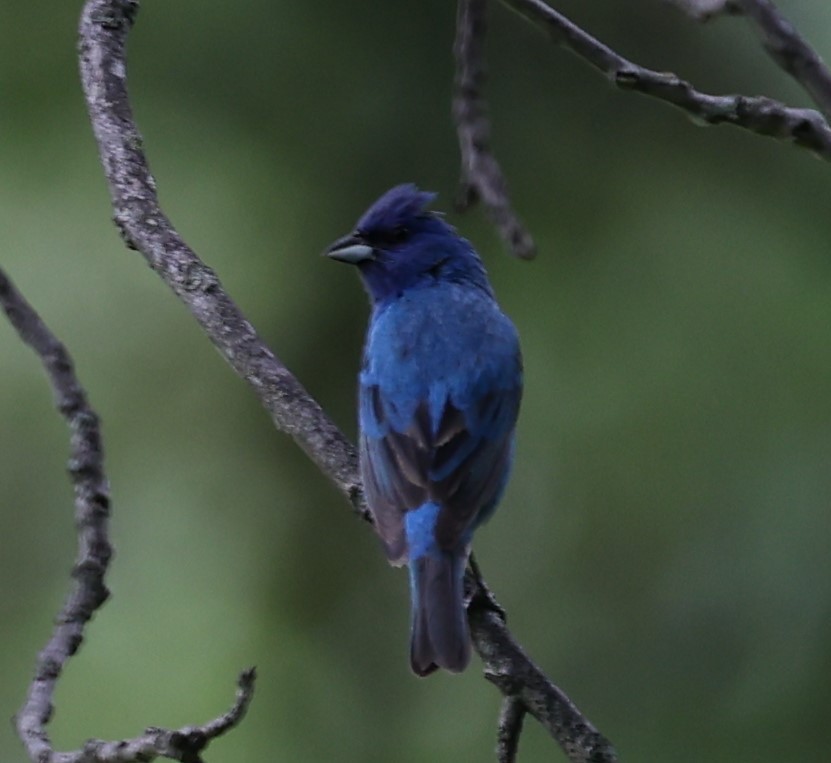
104 28
790 50
89 592
103 33
804 127
481 175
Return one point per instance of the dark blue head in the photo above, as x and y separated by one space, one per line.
399 244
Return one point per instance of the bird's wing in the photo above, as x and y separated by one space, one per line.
393 482
470 469
457 455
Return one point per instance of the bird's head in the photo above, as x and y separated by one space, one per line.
399 244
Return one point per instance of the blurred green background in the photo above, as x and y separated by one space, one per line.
662 550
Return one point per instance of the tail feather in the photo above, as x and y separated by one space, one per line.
440 637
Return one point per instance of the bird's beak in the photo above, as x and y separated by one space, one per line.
350 249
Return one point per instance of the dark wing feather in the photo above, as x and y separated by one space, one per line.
462 465
385 497
470 470
393 470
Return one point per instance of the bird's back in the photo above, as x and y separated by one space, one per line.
440 391
443 339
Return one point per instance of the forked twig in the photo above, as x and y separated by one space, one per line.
765 116
89 591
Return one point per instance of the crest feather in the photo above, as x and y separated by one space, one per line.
396 207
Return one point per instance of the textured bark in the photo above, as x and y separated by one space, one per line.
89 591
765 116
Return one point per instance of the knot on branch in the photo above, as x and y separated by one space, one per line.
197 276
117 15
625 78
507 683
122 222
805 133
186 744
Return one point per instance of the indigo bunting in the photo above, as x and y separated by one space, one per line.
439 394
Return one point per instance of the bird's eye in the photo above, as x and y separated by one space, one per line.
399 234
385 237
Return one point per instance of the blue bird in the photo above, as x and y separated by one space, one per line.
440 387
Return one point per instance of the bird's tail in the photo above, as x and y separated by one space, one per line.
440 637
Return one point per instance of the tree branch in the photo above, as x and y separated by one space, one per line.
103 32
185 744
704 10
511 717
508 668
481 175
790 50
92 502
104 28
804 127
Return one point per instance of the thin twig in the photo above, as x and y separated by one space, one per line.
704 10
804 127
509 731
790 50
185 744
481 176
89 592
104 28
92 501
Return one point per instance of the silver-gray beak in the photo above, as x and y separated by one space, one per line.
350 249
